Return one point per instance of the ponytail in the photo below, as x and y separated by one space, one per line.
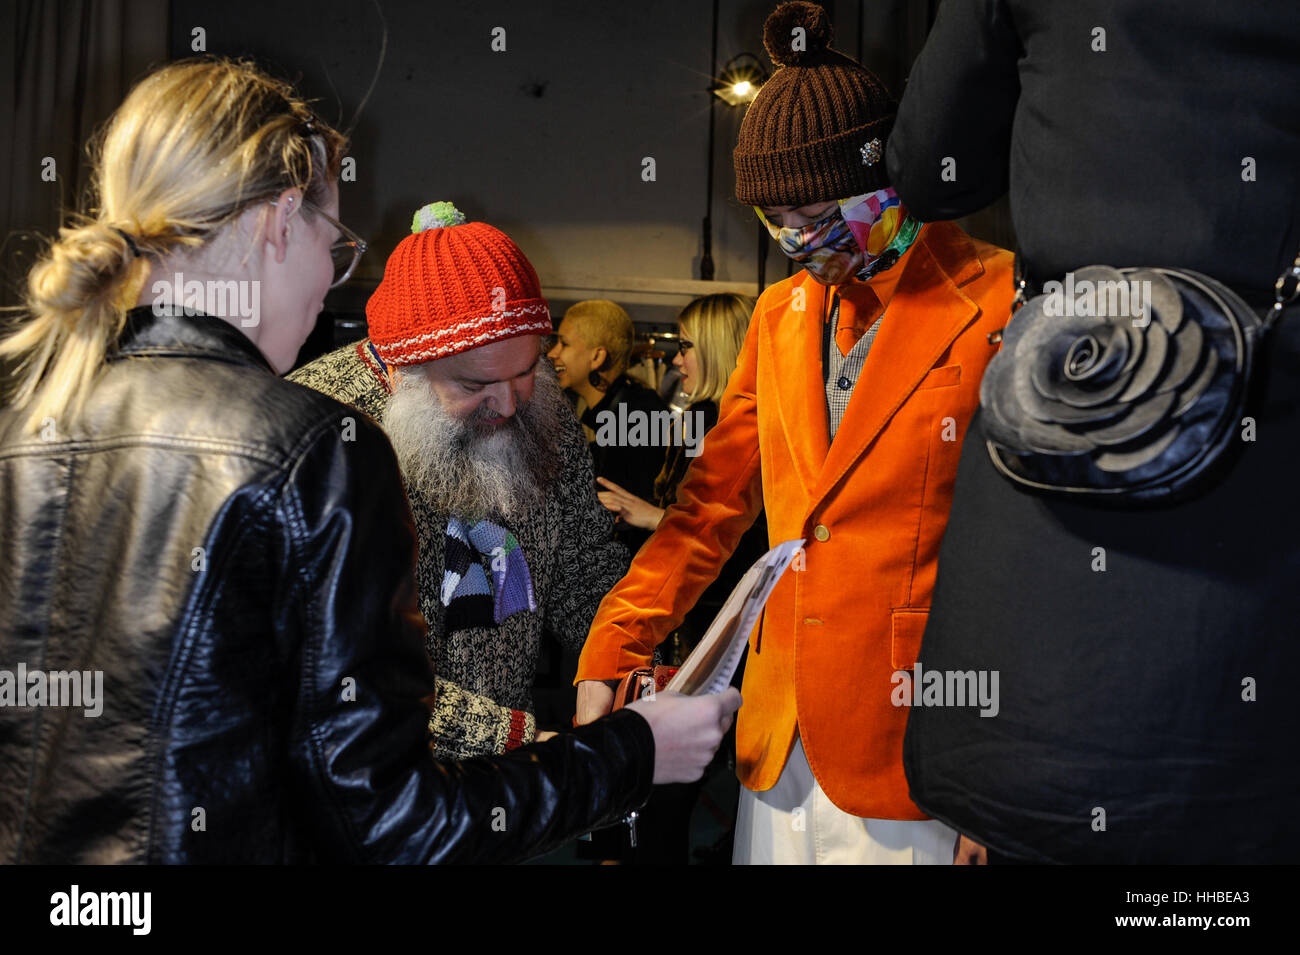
77 297
193 145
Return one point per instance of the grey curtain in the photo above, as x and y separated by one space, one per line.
65 67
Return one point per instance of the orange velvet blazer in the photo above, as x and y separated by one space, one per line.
872 507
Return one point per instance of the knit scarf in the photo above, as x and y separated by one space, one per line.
472 600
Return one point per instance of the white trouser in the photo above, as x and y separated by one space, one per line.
794 823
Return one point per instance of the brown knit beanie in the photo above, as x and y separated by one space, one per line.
817 128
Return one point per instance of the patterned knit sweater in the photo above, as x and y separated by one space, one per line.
486 674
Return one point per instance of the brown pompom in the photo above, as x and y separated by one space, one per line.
779 36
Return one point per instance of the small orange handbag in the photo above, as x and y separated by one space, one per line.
637 683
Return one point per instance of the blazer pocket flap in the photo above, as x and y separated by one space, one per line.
941 376
909 627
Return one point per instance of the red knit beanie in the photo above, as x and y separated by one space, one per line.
452 286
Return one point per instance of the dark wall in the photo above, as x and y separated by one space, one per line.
547 139
64 67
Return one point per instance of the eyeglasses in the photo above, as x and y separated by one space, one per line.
346 252
684 346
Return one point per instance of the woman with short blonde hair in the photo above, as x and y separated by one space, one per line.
591 352
602 326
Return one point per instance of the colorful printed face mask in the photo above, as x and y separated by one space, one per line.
858 237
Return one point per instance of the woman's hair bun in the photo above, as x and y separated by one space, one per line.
91 257
788 48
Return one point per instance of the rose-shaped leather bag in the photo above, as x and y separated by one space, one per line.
1135 401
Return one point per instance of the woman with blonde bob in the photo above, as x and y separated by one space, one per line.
711 331
209 611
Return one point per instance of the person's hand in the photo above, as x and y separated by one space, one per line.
969 852
687 730
595 699
544 735
628 507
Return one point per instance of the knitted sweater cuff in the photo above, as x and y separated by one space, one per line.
519 729
463 724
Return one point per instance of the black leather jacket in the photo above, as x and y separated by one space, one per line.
235 554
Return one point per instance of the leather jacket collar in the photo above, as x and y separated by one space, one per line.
184 332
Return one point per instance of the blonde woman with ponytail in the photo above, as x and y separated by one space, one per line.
203 602
245 197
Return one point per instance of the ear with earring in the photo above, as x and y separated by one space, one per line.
289 206
594 377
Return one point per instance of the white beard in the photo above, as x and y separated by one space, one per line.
458 467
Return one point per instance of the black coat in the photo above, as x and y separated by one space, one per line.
1131 156
632 467
1145 657
204 537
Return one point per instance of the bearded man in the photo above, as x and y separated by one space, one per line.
512 539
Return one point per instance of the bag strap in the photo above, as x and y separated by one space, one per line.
1020 298
1285 291
1021 280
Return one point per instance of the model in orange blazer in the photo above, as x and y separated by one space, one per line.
872 507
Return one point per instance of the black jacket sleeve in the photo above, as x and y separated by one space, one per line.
949 149
360 745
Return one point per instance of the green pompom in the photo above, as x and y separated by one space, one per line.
437 215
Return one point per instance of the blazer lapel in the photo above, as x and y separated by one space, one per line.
926 314
793 342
